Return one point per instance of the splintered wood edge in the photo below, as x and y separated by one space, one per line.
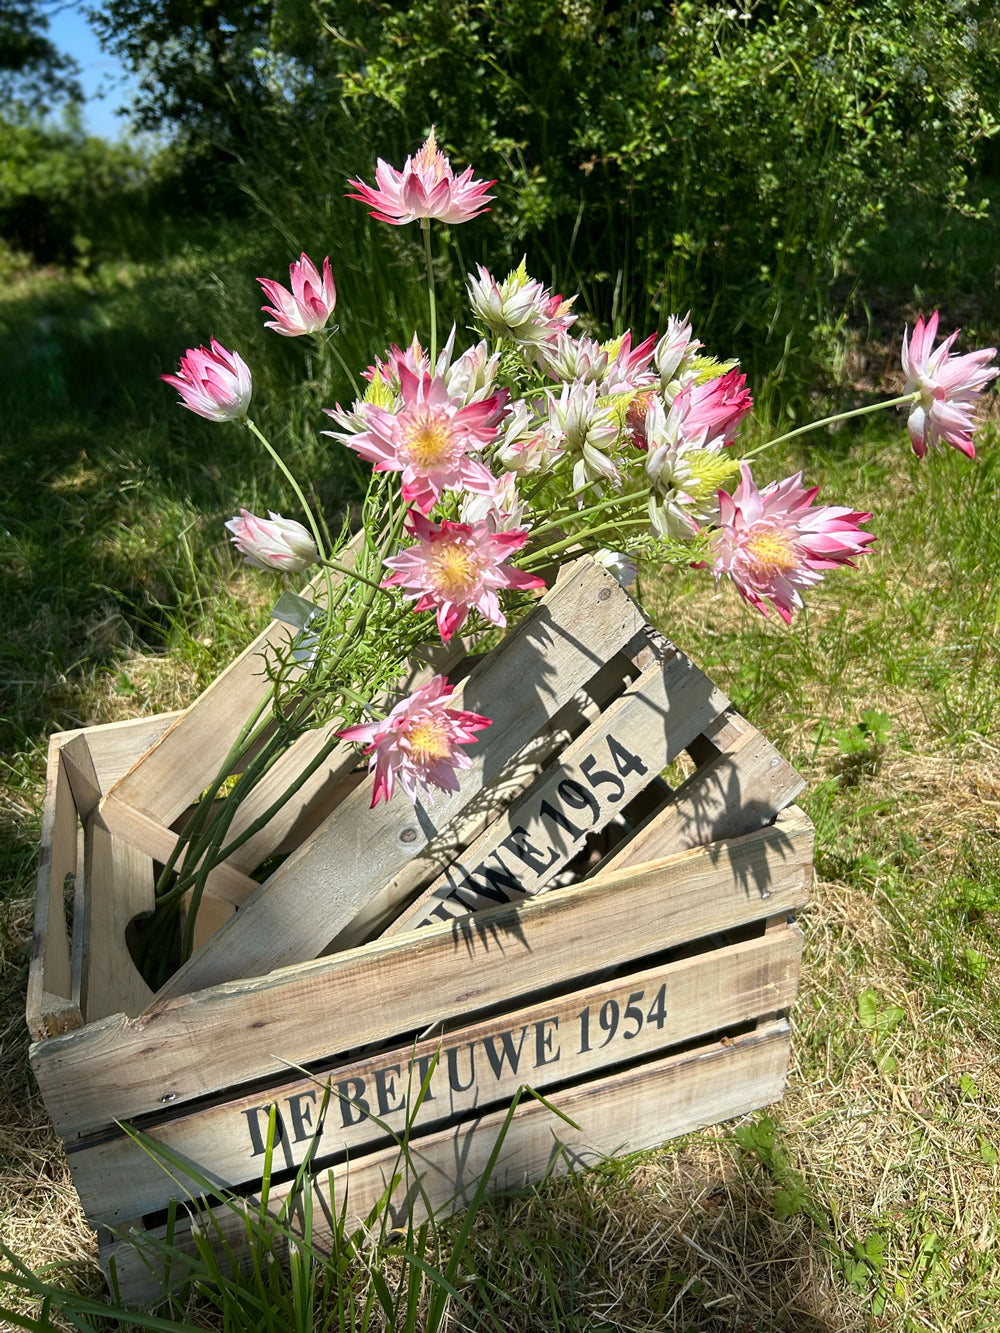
623 1112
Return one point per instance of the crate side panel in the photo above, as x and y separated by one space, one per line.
189 754
203 1043
580 1035
622 1113
118 886
50 1006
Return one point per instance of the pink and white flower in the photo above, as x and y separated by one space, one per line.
457 568
717 407
417 744
429 440
213 382
520 308
503 510
628 366
771 543
527 444
273 543
948 386
309 304
569 358
588 430
674 355
425 188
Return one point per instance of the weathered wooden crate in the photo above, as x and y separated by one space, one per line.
568 920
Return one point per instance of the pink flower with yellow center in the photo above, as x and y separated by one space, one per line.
309 304
213 382
417 743
457 568
772 542
430 439
425 188
948 385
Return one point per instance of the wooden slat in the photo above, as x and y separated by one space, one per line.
320 794
50 1007
155 840
321 887
189 754
477 1067
622 1113
742 788
118 887
96 757
199 1044
594 778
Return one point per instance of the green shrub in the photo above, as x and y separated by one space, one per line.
58 186
733 160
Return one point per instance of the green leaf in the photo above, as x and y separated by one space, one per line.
875 1016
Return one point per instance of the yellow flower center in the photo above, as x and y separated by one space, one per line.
771 552
429 741
454 570
427 443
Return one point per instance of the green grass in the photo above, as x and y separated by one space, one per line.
868 1198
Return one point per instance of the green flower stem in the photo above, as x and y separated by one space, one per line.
425 227
353 574
543 555
326 341
600 507
250 733
290 478
831 421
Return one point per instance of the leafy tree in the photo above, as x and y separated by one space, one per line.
200 64
34 73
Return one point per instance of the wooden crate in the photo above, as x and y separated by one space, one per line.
568 921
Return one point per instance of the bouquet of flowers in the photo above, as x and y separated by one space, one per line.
492 464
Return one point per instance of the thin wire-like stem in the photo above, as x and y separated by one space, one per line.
831 421
326 341
425 227
290 478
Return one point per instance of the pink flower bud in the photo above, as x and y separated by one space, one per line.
308 306
274 543
213 382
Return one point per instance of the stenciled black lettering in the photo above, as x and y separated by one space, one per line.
302 1121
544 1054
443 913
452 1058
507 1052
353 1106
257 1120
548 811
624 760
497 883
385 1088
518 842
